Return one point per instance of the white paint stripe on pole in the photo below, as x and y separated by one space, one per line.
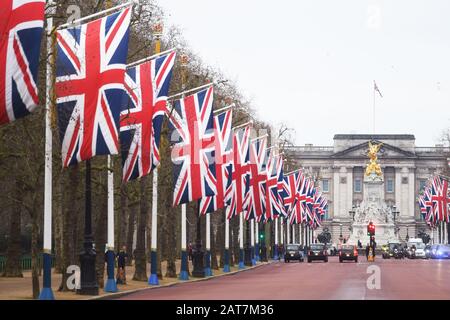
110 244
256 232
241 231
208 231
227 231
154 243
183 227
288 236
276 231
281 231
48 138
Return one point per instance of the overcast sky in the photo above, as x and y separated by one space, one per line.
311 64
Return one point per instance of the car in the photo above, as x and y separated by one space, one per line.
441 251
317 251
293 252
389 251
417 251
348 252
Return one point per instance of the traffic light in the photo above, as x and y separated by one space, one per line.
370 229
261 237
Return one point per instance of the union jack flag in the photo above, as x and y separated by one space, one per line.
255 200
223 159
147 86
440 198
291 186
90 85
309 203
192 134
241 172
21 24
274 201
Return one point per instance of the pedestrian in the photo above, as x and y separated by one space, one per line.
122 258
367 251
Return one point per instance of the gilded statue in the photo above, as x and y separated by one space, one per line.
373 166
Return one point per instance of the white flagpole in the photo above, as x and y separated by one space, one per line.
252 240
293 233
110 285
153 280
226 265
47 293
208 271
241 241
275 257
184 275
281 254
257 242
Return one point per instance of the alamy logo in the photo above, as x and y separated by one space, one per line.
374 280
73 281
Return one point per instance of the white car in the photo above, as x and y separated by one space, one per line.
419 252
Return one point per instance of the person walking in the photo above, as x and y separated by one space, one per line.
122 258
367 252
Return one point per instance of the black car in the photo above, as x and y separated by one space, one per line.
317 251
293 252
348 252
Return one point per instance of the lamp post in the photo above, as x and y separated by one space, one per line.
341 236
198 254
407 233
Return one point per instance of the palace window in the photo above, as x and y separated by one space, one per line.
422 184
358 185
390 185
326 185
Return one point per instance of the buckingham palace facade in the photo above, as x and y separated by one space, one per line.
340 173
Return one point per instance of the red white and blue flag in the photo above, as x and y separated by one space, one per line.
240 176
255 200
192 135
90 85
145 105
21 24
291 185
440 198
274 201
223 161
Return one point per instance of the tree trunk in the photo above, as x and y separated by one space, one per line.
140 273
101 237
170 226
214 263
35 256
71 213
130 233
234 223
13 267
123 216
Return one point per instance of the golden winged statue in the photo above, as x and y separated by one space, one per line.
373 166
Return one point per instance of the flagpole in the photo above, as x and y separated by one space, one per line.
281 254
47 293
288 231
241 241
373 112
257 242
184 275
208 271
252 241
275 256
111 285
153 279
226 265
97 14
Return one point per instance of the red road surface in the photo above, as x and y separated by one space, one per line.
400 279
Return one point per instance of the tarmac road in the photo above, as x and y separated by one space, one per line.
399 279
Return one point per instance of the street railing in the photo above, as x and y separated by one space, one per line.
25 261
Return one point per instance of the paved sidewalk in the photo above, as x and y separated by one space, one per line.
21 288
